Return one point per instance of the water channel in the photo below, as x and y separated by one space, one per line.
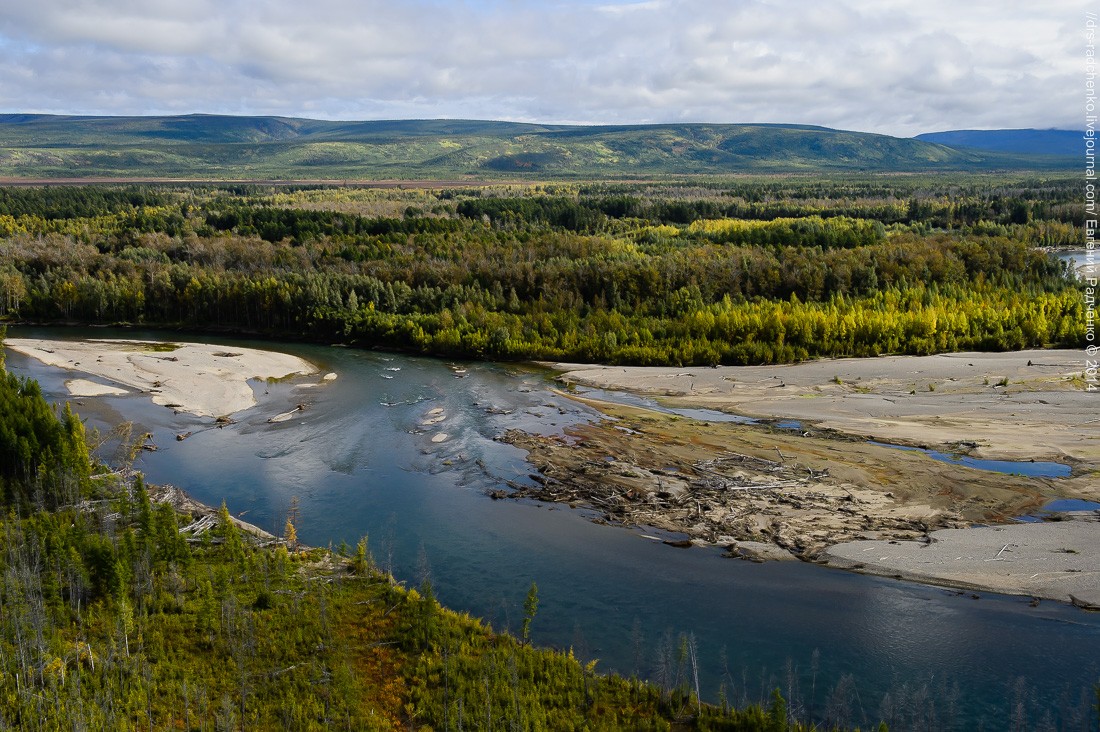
360 462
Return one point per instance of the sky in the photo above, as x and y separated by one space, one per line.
899 67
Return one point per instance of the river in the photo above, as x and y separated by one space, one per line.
360 463
1078 260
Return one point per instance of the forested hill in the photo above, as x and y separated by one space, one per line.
224 147
1066 143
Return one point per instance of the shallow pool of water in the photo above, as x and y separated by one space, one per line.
1063 505
1030 468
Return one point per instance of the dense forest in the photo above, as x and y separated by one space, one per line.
120 612
704 272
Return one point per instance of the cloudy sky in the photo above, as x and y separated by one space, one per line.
894 66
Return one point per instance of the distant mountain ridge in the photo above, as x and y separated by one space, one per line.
1028 141
221 146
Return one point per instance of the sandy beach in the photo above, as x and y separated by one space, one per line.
202 379
1053 560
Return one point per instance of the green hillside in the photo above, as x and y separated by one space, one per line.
223 147
1067 143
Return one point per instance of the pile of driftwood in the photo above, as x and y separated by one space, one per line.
724 499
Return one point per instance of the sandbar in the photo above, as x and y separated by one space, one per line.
86 388
202 379
1016 405
1054 560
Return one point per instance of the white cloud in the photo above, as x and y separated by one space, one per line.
898 67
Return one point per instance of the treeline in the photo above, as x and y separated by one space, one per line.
65 202
1022 206
121 613
944 203
43 455
512 274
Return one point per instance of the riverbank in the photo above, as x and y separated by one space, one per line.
203 516
201 379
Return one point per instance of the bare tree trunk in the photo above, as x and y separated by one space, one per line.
694 657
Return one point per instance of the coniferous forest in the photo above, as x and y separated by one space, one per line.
702 272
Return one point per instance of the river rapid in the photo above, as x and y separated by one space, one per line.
361 460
